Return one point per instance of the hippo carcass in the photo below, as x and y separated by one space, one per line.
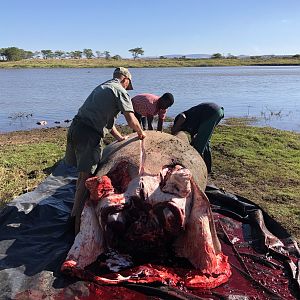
147 201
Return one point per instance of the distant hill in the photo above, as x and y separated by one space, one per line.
188 55
191 56
198 56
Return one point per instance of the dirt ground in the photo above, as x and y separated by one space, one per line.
32 136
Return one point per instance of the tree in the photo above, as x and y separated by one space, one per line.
68 55
136 52
116 57
36 54
255 57
106 54
99 54
76 54
217 55
59 53
13 53
88 53
47 54
2 54
28 54
230 56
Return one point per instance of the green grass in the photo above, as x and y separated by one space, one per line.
146 63
24 166
263 165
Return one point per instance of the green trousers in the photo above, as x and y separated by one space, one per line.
201 141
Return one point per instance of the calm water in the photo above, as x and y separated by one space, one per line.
271 94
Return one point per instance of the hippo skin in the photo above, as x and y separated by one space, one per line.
147 201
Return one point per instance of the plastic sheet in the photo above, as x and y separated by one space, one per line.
35 236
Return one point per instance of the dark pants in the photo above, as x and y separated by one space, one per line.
201 141
84 147
142 120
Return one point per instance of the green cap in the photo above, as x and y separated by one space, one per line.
123 71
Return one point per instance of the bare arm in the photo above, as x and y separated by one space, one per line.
116 134
160 124
134 124
177 126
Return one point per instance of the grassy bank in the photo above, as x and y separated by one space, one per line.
261 164
143 63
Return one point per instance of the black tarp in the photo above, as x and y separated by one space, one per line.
35 236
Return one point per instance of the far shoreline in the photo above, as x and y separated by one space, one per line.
229 121
149 63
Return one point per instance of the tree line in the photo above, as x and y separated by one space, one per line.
14 54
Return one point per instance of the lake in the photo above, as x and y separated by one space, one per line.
270 94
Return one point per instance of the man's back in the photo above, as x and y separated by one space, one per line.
103 105
197 114
147 105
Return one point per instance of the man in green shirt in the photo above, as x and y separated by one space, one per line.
95 118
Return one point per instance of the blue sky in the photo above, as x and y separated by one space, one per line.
160 27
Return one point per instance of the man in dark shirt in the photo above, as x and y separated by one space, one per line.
199 121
